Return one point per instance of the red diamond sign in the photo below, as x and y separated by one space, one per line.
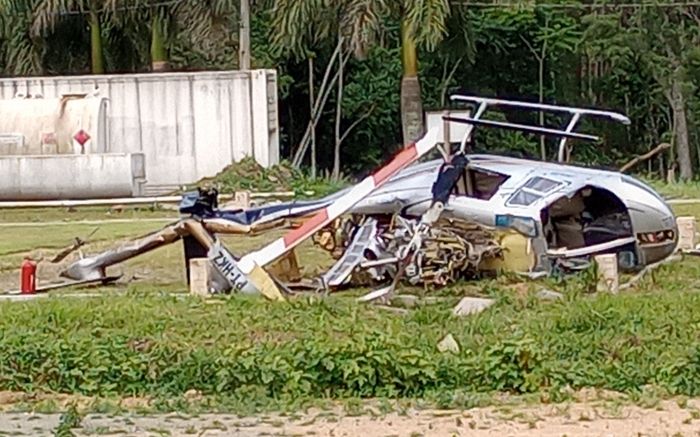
81 137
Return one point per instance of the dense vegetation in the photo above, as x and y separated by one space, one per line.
164 346
638 58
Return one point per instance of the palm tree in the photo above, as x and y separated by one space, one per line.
422 22
46 13
200 21
21 54
302 24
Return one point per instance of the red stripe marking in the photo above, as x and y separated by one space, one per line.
307 227
404 157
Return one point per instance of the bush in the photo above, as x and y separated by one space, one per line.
247 174
163 346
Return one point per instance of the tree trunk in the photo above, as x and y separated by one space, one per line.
96 44
411 101
541 58
159 54
244 36
338 115
680 128
323 93
312 99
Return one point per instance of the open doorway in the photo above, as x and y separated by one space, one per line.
591 216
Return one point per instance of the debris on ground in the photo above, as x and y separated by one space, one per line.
448 344
545 294
472 305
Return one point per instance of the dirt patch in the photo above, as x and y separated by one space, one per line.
135 403
10 398
574 419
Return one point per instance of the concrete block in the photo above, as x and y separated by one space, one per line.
608 275
242 199
687 227
199 276
472 305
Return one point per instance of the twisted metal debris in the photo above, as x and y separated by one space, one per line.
452 250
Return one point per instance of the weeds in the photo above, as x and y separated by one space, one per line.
69 421
248 354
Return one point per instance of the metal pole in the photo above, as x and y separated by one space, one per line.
569 128
479 112
244 36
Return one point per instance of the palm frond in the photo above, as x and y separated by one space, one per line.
427 20
361 24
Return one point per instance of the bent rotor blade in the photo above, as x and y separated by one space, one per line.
340 206
523 128
353 256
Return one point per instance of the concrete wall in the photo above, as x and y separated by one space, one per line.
187 125
71 176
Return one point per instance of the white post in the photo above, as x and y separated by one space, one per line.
199 276
687 227
242 199
608 275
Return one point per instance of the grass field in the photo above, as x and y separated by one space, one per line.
144 339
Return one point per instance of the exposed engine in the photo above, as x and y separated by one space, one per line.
451 250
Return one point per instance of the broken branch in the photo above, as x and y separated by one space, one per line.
650 154
639 276
357 122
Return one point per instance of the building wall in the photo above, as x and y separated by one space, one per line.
186 125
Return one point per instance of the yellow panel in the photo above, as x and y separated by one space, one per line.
518 255
265 284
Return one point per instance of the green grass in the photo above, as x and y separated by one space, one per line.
679 190
22 239
38 215
252 350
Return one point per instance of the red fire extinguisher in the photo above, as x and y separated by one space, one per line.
28 276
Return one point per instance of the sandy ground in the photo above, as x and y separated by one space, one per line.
668 418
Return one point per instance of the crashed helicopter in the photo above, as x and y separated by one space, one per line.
433 222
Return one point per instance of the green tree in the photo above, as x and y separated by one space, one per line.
21 53
202 23
353 26
46 13
664 42
423 22
548 36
